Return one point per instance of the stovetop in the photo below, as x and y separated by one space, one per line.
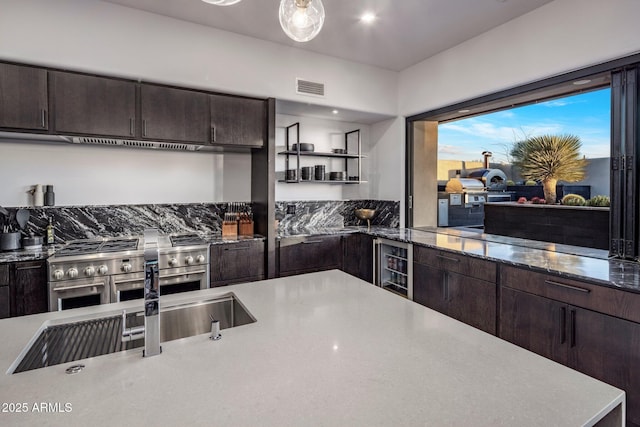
186 240
84 247
129 245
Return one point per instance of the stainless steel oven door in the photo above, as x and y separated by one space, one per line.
78 293
130 286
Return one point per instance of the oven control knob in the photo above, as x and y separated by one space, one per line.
72 273
173 262
189 260
200 259
102 270
126 268
89 271
58 274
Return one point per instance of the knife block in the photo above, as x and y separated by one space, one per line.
245 228
230 229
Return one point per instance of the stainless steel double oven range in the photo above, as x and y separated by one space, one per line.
91 272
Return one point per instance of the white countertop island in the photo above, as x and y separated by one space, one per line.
327 350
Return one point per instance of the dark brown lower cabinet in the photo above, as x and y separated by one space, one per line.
237 262
297 255
596 344
358 256
5 298
29 288
467 299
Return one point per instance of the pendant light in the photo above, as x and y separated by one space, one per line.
222 2
301 20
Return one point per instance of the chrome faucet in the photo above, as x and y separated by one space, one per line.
151 329
151 295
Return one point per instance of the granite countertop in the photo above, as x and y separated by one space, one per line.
320 353
569 261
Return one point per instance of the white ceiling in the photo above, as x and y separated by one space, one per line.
405 33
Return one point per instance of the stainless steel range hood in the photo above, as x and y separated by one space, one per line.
132 143
111 142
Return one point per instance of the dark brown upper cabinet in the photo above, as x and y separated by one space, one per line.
170 114
23 97
90 105
237 121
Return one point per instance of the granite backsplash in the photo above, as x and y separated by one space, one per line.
334 214
87 222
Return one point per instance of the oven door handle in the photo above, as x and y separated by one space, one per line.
189 273
70 288
169 276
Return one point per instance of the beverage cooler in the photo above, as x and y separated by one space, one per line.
393 269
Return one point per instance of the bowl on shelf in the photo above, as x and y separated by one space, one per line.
339 151
366 214
338 176
303 147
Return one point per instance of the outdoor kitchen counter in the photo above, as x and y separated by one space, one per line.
327 349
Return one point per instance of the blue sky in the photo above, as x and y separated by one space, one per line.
586 115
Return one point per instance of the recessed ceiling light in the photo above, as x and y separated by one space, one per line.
581 82
463 111
222 2
335 111
368 17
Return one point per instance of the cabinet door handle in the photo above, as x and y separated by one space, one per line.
237 248
308 242
563 325
573 328
44 118
446 258
213 134
31 267
132 126
144 128
570 287
444 287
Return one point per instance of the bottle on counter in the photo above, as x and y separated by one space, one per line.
49 196
50 232
38 195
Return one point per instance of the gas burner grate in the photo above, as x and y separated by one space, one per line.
119 245
186 240
80 248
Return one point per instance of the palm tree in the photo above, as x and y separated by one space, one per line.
549 158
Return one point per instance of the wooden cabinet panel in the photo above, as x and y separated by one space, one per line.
5 302
4 274
308 254
23 97
29 288
472 301
429 287
535 323
358 256
90 105
237 121
170 114
237 262
625 305
456 263
606 348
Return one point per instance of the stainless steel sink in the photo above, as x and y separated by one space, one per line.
82 339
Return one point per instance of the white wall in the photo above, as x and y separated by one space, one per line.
109 39
92 175
561 36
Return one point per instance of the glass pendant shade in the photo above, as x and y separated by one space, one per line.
222 2
301 20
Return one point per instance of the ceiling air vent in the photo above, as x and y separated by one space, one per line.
305 87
